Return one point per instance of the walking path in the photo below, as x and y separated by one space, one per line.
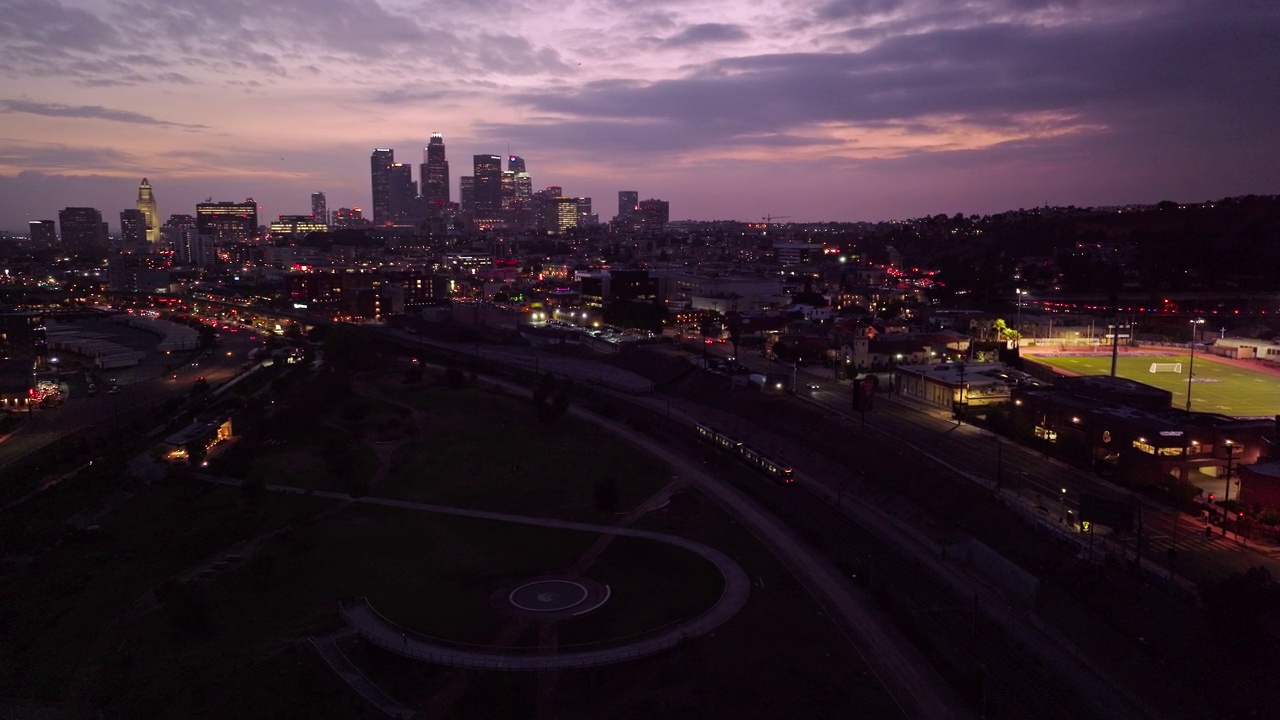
328 649
381 632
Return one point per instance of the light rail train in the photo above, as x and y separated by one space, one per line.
779 471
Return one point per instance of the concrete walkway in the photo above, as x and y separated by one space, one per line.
385 634
332 654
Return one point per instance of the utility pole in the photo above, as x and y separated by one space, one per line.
1231 451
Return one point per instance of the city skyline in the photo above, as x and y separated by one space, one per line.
843 110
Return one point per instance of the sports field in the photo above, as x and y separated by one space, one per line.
1217 387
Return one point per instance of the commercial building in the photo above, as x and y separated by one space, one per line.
380 163
146 203
405 205
228 222
43 232
133 228
627 202
296 226
319 208
82 228
435 174
487 183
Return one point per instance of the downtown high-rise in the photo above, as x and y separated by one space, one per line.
320 207
434 174
147 205
487 185
380 163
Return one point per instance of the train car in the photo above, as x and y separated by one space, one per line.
728 443
751 456
706 432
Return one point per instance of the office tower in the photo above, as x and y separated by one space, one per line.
82 228
565 213
515 164
349 218
627 202
133 228
320 207
508 191
179 232
467 194
404 193
380 163
545 208
296 226
44 232
147 204
228 222
652 214
435 172
585 216
488 185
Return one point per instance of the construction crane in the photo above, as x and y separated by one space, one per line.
770 218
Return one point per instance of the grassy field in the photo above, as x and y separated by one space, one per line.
1216 388
504 458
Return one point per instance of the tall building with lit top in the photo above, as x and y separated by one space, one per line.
435 173
349 218
320 207
147 204
487 185
380 163
228 222
404 193
43 232
515 164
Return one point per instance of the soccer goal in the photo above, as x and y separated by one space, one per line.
1175 367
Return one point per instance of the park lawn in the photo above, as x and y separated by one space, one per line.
654 585
58 604
781 656
1217 388
438 575
482 450
311 460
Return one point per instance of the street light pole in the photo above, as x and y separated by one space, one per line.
1231 450
1017 323
1191 364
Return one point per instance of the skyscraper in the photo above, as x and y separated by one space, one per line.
404 193
515 164
488 185
627 202
320 207
380 163
467 193
565 213
82 228
44 232
227 222
147 204
435 172
652 215
180 232
133 229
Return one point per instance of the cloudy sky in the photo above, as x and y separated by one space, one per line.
826 110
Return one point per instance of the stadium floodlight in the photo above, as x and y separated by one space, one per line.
1191 364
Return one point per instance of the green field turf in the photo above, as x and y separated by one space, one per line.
1217 388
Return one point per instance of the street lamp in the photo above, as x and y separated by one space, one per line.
1191 364
1017 324
1231 450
